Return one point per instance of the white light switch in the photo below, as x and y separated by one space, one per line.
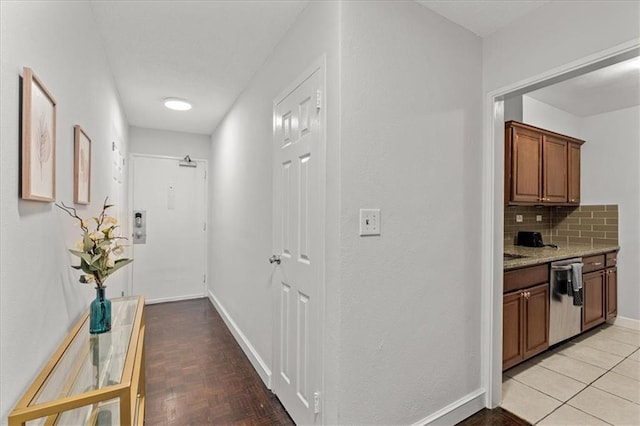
518 218
369 222
538 218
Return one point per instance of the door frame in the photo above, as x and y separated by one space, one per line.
493 196
320 64
130 170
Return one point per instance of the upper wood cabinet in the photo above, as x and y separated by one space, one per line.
541 167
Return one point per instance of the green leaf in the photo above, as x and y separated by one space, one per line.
119 264
95 258
79 267
82 255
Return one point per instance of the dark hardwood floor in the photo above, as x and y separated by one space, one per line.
495 417
197 374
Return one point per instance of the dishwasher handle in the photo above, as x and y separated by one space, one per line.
561 267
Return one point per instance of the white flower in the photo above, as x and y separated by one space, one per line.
110 262
117 250
95 236
80 245
110 220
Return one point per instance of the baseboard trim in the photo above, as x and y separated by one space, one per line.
258 363
173 299
456 411
626 322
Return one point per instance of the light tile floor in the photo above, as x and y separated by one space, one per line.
594 379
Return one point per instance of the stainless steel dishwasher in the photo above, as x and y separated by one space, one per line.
565 310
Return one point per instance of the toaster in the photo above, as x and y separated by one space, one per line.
529 239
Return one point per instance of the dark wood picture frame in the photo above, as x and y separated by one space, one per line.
81 166
38 149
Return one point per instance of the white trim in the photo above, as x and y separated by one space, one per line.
249 350
492 220
173 299
456 411
631 323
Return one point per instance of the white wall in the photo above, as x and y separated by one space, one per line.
542 115
168 143
611 175
241 191
411 139
556 34
40 294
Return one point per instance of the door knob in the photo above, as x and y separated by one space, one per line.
274 259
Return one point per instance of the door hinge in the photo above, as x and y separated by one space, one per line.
113 146
316 402
318 99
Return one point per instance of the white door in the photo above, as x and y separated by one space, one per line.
298 238
170 265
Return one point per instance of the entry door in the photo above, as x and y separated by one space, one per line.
170 265
298 239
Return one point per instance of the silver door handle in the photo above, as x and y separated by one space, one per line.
274 259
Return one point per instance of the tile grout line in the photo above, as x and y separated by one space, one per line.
587 385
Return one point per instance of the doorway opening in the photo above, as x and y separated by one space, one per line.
493 183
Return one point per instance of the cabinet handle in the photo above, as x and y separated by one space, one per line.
597 263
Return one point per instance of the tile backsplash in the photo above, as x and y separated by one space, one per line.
563 225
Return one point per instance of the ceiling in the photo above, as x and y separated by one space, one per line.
204 51
604 90
207 51
482 17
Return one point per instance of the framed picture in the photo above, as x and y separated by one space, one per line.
81 166
38 140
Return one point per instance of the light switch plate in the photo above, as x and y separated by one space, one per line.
369 222
518 218
538 218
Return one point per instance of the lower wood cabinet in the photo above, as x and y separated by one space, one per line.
525 324
611 290
593 308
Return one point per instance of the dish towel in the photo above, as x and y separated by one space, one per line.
576 281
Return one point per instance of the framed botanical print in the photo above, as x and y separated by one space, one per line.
81 166
38 150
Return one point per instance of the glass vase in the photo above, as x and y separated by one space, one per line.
100 313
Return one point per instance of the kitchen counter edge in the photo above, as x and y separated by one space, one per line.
539 255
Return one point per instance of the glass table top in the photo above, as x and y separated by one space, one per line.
92 361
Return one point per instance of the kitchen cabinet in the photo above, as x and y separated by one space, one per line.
600 289
611 285
573 189
95 379
593 306
525 312
541 167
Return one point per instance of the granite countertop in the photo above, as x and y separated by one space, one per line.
538 255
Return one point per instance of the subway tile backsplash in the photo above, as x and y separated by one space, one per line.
563 225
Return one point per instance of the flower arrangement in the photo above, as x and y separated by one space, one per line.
99 249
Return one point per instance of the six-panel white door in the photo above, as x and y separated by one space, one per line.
298 236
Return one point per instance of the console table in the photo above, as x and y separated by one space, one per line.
92 379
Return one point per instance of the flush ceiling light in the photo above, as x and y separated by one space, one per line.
177 104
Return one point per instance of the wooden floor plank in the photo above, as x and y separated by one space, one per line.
198 375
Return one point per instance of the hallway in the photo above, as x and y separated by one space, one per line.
198 375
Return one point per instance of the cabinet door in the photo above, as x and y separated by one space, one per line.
512 329
554 170
593 308
574 174
526 165
536 320
611 280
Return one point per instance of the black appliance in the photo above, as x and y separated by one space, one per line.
531 239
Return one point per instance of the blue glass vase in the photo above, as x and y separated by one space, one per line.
100 313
